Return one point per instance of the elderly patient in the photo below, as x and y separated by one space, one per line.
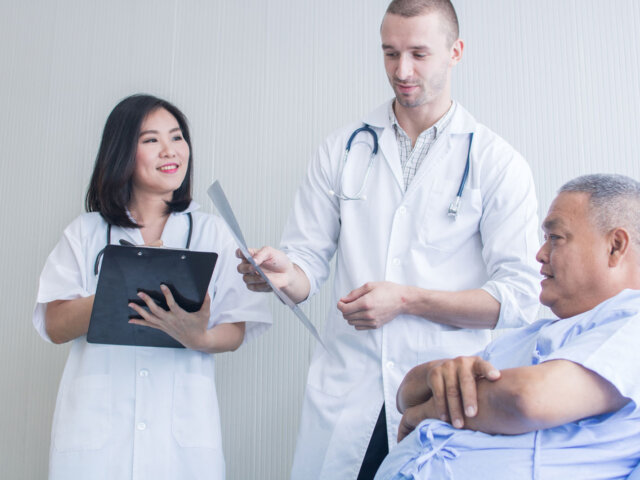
558 399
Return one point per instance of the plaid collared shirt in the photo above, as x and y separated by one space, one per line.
411 158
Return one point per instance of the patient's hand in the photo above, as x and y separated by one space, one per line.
442 389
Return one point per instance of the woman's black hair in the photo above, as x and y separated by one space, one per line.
111 183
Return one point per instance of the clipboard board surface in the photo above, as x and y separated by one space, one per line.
125 271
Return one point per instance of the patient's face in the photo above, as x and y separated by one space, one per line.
574 257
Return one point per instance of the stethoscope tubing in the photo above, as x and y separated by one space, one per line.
454 207
96 265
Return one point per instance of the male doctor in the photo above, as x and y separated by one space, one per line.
412 283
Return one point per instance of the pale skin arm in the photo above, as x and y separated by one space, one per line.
282 272
474 395
376 303
68 319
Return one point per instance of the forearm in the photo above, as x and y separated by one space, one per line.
502 410
548 395
225 337
464 309
68 319
298 286
498 412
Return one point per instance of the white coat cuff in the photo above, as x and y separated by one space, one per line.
41 307
511 314
313 286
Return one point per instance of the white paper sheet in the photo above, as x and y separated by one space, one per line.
219 199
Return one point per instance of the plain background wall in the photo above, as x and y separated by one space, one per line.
262 83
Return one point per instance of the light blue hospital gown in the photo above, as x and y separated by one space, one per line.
605 340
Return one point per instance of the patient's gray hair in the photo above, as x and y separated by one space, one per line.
614 201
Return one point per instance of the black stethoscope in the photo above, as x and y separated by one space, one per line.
129 244
454 207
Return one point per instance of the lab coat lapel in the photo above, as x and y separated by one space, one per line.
176 230
389 148
461 123
379 120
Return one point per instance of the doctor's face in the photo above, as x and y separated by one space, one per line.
162 156
418 58
574 257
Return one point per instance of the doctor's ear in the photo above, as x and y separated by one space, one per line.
619 242
456 52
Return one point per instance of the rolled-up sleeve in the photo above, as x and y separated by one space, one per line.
310 236
509 229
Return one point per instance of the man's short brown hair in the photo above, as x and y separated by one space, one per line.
414 8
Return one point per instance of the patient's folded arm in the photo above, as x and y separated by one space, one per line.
542 396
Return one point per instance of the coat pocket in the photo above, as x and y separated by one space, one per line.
83 416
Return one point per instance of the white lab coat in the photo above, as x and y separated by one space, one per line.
141 412
406 238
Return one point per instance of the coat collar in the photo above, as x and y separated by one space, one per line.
462 121
170 236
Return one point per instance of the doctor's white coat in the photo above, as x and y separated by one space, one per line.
404 237
125 412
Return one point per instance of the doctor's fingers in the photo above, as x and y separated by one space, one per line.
259 287
240 255
168 296
148 318
153 307
365 324
357 293
255 282
206 306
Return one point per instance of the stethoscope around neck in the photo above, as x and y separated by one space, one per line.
96 266
454 207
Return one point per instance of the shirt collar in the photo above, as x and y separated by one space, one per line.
437 127
462 122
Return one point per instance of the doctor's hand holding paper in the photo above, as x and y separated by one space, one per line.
432 220
282 272
127 411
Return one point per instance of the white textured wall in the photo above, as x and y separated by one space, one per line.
262 83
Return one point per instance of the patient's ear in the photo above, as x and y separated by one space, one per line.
619 244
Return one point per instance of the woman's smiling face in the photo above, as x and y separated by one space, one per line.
162 156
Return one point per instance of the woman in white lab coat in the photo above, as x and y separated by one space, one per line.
126 412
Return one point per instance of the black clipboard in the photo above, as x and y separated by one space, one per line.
126 270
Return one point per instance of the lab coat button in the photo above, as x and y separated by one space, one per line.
141 426
390 365
402 210
144 372
396 261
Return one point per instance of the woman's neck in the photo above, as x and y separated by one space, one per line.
151 213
